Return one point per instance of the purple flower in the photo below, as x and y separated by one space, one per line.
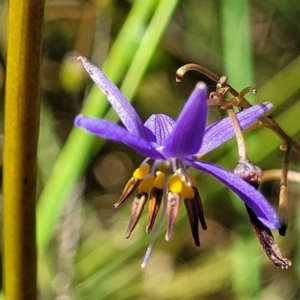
172 147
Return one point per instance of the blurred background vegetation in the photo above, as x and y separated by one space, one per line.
140 44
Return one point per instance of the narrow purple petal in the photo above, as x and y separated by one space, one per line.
160 126
121 105
186 137
114 132
253 198
221 131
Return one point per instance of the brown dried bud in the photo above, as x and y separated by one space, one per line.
253 175
268 242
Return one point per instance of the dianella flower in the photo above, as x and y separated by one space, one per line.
170 149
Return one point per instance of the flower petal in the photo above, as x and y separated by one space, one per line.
221 131
253 198
186 137
121 105
160 126
114 132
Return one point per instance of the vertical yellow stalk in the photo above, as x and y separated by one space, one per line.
20 148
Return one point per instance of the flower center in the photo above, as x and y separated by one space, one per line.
180 182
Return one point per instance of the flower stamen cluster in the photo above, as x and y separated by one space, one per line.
155 187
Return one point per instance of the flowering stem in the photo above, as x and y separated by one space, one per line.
244 92
284 175
194 67
283 194
242 150
265 121
241 145
20 148
276 174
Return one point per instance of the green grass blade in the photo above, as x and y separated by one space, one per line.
80 145
238 57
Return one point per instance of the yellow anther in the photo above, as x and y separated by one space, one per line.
146 184
187 192
175 184
159 180
140 172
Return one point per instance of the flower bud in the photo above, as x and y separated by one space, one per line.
249 172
